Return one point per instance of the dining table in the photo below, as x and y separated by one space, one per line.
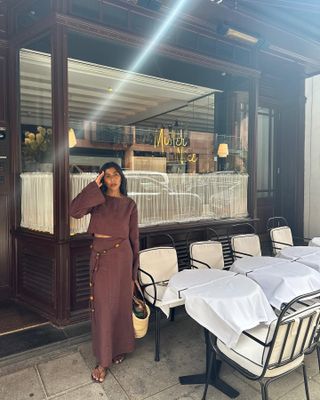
314 242
307 255
280 279
223 302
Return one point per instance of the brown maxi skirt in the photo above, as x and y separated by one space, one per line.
111 298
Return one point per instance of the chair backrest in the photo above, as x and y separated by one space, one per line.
208 252
281 237
296 332
159 262
245 245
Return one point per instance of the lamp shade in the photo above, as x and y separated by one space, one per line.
72 138
223 150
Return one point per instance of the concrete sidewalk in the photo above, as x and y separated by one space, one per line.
62 371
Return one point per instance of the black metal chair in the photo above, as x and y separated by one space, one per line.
205 253
265 354
280 233
244 244
157 266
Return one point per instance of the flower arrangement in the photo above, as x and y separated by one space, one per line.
38 145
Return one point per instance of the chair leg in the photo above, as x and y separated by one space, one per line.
157 335
305 378
172 314
264 390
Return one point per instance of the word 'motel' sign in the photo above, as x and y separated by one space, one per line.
178 142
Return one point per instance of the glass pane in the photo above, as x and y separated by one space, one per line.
36 138
265 151
35 11
86 9
164 132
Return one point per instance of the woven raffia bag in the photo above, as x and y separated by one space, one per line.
140 315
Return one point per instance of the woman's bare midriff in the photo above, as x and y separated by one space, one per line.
98 235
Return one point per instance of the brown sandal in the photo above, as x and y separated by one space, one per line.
102 373
118 359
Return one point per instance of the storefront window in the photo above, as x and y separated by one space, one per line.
36 136
165 133
179 131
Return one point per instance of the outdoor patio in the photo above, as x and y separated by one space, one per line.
62 371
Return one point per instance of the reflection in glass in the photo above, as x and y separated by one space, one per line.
36 137
35 111
165 134
265 153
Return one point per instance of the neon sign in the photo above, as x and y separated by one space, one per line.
179 143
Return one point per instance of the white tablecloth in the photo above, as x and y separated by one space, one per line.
228 306
295 252
315 242
248 264
221 301
309 256
186 279
283 282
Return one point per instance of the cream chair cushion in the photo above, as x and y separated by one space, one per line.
209 252
252 356
280 235
246 243
161 263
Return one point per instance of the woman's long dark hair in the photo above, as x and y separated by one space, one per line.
123 185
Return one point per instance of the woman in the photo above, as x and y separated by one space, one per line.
113 264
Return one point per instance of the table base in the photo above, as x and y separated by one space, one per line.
215 381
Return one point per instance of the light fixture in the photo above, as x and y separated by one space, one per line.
72 138
241 36
223 150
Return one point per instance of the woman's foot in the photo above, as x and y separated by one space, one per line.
99 374
118 359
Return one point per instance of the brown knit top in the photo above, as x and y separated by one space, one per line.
114 216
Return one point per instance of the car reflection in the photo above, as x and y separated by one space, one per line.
157 202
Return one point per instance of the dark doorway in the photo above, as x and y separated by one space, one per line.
267 169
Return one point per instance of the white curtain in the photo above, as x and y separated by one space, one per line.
160 198
37 201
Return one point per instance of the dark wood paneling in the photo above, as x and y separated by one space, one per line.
291 157
80 290
4 246
61 169
37 274
3 92
5 203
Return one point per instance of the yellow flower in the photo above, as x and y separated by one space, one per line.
39 138
27 140
41 130
31 136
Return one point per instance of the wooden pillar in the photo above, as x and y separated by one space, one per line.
61 171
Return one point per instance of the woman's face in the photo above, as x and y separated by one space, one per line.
112 179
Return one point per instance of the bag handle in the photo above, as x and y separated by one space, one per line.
137 285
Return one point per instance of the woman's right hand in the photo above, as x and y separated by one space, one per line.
99 179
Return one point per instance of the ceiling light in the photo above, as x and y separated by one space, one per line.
235 34
72 138
223 150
